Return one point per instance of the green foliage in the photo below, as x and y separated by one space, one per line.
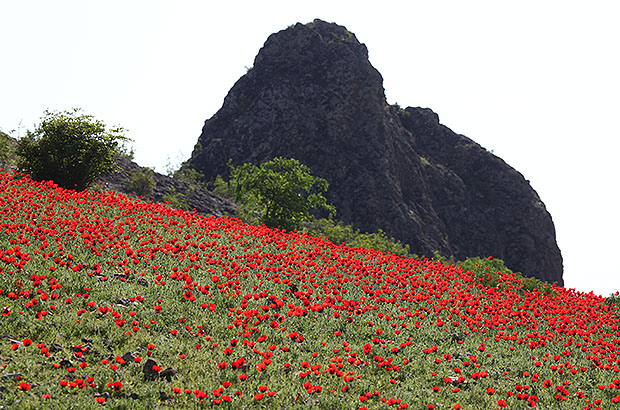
141 182
490 272
337 232
175 200
191 176
6 150
400 111
280 193
70 148
480 266
225 189
613 299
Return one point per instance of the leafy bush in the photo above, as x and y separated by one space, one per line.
6 149
225 189
493 272
613 299
280 193
141 182
338 233
70 148
175 200
191 176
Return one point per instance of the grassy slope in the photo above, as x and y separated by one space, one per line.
92 278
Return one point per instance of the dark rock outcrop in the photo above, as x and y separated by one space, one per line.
486 205
312 94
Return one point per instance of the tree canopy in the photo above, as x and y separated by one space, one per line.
71 148
281 192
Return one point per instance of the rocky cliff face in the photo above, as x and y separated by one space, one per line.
312 94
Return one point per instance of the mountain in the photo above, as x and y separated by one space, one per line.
312 94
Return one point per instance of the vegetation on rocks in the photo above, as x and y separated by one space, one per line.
341 233
6 150
141 182
279 193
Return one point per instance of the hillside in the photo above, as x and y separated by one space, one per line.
190 195
110 301
312 94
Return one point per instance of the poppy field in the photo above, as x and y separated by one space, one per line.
109 301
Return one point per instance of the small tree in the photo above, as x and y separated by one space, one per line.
189 175
5 150
337 232
70 148
175 199
281 191
141 182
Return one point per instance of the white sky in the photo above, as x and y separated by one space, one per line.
536 82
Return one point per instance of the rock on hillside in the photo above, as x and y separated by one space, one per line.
312 94
204 201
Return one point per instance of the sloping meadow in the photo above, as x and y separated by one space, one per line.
106 300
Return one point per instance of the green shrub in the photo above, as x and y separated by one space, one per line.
225 189
6 150
141 182
613 299
70 148
175 200
488 271
279 193
191 176
338 233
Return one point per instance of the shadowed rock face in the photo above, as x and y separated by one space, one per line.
486 205
312 94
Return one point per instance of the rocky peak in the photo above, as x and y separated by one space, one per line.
313 95
295 46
